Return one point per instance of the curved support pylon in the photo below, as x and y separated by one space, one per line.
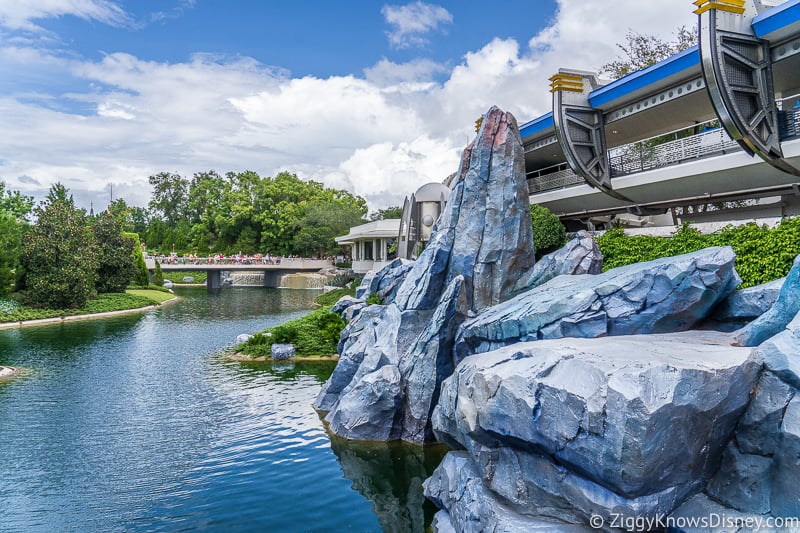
580 130
737 69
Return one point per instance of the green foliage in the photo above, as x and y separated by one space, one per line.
13 311
642 50
177 277
394 211
373 299
158 275
549 234
115 270
331 297
340 280
10 241
315 334
762 254
59 255
141 276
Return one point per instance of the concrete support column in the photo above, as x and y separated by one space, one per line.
272 278
213 280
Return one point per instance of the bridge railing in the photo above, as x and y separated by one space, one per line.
789 123
553 177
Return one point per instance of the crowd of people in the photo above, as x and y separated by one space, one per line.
221 259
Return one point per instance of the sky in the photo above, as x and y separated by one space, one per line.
372 97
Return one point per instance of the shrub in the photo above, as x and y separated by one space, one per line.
331 297
315 334
762 254
549 234
158 276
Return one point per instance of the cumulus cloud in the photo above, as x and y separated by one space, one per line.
380 135
411 22
16 14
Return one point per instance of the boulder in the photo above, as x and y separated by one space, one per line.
388 279
573 427
282 351
242 337
362 291
700 514
742 481
749 303
785 490
579 256
468 506
353 311
781 313
780 353
343 303
661 296
758 431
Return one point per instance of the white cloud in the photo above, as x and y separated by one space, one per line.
411 22
20 14
381 135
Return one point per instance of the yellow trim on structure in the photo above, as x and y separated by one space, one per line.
566 82
731 6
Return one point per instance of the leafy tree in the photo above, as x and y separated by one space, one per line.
158 275
115 270
385 214
58 253
549 234
169 197
141 276
14 210
642 50
322 223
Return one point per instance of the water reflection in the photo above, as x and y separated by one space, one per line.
390 475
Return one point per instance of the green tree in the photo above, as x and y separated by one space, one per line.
58 253
169 197
115 270
641 51
394 211
158 275
14 210
549 234
141 276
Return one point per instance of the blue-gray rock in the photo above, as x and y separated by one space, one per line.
758 431
429 362
368 410
388 279
282 351
661 296
188 279
242 337
742 481
469 507
785 487
775 319
484 233
749 303
579 256
343 303
362 291
481 245
700 514
780 353
620 415
353 311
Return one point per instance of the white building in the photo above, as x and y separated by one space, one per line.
370 244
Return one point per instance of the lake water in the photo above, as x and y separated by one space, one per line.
137 423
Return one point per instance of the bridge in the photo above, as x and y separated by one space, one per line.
717 122
272 271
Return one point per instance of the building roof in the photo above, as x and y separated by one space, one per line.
372 230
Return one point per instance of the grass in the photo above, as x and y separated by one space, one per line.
313 335
331 297
176 276
12 311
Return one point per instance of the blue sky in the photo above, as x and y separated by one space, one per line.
377 98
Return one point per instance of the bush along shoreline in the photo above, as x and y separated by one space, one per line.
315 335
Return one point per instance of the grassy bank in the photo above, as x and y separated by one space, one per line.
12 311
177 276
313 335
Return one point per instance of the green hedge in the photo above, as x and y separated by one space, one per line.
315 334
762 254
331 297
13 311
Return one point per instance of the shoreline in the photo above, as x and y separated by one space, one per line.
66 318
242 358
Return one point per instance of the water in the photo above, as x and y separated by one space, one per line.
136 423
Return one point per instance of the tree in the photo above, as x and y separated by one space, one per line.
385 214
322 223
58 253
141 276
642 50
549 234
158 275
14 210
169 197
115 270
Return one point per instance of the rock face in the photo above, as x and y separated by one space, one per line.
282 351
665 295
580 256
775 319
749 303
393 357
568 428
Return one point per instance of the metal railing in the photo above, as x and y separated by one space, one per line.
671 149
789 123
551 178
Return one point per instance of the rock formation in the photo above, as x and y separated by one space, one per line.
393 357
580 256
